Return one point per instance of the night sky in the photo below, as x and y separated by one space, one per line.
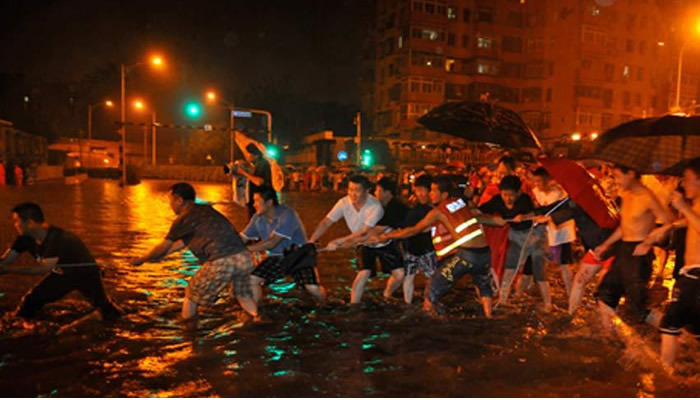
259 53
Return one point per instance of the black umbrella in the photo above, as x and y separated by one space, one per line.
652 145
481 122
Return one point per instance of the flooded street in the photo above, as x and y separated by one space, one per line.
382 349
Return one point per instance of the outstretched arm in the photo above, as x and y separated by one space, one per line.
321 229
45 266
161 250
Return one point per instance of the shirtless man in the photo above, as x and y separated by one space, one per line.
630 272
684 310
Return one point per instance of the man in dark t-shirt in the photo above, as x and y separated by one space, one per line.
419 252
518 209
215 242
63 255
388 253
261 176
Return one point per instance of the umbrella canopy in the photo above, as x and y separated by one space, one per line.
583 189
481 122
651 145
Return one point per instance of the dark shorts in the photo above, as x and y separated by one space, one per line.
684 310
628 276
389 256
55 286
476 262
535 248
273 268
561 254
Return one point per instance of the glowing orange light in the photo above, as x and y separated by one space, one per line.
109 103
138 104
594 135
576 137
211 96
157 61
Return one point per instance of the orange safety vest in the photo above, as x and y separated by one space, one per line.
462 220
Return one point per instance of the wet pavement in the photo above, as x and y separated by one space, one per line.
381 349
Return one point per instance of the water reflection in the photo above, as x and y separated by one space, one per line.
381 349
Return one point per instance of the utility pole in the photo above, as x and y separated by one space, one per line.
358 130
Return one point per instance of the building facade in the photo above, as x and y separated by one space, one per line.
567 66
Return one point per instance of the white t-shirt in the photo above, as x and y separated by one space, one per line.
370 213
566 233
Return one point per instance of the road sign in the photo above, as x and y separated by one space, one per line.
242 114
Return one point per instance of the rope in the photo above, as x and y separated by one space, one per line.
521 257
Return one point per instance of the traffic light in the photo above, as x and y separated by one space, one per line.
367 158
193 109
272 151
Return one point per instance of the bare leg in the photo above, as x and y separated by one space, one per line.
317 291
583 276
408 288
358 286
546 296
248 304
669 349
256 283
487 304
566 276
508 276
606 318
523 283
189 309
394 281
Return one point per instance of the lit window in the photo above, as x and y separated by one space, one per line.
400 44
451 13
450 65
483 43
626 72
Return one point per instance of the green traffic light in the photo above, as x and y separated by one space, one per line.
367 158
193 110
272 152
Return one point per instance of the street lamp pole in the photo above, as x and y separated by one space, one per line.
232 131
678 77
153 134
122 121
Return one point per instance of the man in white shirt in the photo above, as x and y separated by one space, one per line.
548 193
361 212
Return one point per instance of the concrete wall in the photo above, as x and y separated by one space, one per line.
213 173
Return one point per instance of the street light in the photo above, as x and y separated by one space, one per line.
139 105
106 103
576 137
155 61
594 135
677 106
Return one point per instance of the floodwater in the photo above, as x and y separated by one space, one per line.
381 349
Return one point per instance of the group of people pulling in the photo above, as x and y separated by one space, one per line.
449 232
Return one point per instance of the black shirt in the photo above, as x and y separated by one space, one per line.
262 170
422 243
207 233
394 214
58 243
523 205
592 235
